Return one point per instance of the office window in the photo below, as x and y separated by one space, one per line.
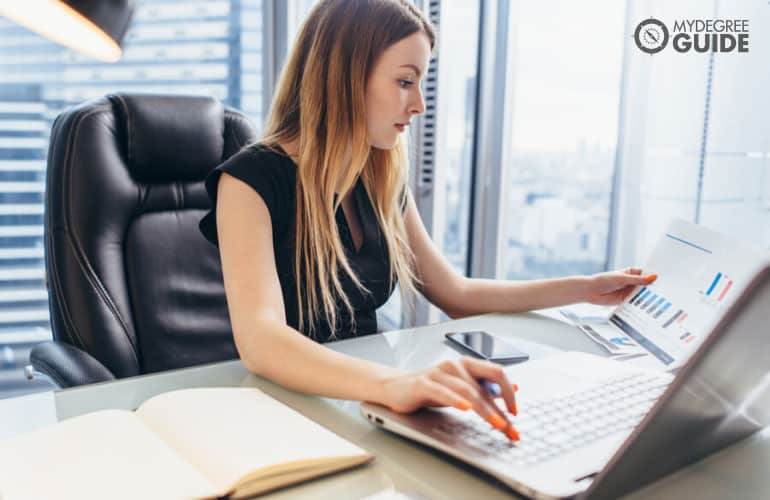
457 109
565 84
441 175
211 47
695 140
297 13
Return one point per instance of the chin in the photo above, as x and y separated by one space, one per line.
384 144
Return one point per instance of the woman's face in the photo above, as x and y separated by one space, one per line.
393 94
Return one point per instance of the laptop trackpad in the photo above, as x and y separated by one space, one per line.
560 374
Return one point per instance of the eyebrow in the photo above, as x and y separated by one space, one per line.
412 66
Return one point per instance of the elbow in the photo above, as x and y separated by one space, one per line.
454 308
250 360
251 364
453 314
257 343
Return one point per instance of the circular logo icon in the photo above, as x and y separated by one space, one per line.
651 36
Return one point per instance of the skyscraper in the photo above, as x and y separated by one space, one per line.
212 47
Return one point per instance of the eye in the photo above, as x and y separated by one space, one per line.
405 84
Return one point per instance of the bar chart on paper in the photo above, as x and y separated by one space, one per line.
717 290
699 273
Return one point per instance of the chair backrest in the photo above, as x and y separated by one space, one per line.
131 279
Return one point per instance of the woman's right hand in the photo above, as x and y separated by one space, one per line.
456 384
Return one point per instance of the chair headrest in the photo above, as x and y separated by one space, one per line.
177 138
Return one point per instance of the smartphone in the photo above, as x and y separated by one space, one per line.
487 346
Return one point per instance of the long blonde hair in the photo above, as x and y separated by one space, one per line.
320 99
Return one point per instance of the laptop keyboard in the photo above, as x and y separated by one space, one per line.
550 428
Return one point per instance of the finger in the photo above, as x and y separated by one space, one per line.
625 292
458 370
478 392
488 409
494 373
613 298
436 394
484 407
458 385
634 280
637 272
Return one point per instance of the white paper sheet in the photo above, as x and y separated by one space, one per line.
700 274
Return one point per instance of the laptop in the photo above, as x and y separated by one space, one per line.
596 428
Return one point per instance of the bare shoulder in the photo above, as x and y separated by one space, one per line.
237 200
248 259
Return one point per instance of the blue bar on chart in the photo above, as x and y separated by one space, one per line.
662 310
657 305
647 304
644 296
714 283
632 299
673 318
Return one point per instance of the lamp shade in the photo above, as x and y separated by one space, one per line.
95 28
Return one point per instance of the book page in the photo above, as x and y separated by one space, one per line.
228 433
106 454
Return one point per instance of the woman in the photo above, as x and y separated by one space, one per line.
322 199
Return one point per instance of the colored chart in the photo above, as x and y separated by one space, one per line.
653 304
700 273
720 285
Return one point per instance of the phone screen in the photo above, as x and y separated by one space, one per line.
487 346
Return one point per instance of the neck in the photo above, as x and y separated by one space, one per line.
346 163
292 149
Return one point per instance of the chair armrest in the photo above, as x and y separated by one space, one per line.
67 365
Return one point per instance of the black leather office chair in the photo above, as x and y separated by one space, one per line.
133 286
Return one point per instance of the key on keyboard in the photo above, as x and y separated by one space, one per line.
553 427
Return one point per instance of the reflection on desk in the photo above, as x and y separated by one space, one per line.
400 465
27 413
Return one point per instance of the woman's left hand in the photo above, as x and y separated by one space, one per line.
613 287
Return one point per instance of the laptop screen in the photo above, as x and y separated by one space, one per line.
720 396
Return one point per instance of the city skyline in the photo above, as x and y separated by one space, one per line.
207 48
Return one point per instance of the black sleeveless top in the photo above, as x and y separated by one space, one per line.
273 176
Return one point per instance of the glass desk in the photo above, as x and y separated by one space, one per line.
400 465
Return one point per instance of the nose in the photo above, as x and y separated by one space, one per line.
417 106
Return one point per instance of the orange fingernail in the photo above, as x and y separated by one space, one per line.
498 422
651 277
512 433
463 405
513 410
515 387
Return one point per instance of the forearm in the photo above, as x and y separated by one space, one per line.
479 296
283 355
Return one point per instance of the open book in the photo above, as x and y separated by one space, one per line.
193 443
